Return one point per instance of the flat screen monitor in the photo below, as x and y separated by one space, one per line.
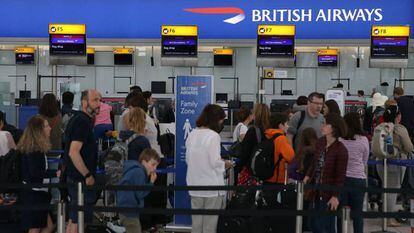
179 46
91 59
25 58
221 97
328 60
123 59
158 87
275 46
389 47
25 94
223 60
62 44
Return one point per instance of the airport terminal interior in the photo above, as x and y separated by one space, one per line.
234 54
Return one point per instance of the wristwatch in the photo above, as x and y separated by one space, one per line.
87 175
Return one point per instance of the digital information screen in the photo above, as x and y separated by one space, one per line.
327 60
223 57
24 58
275 46
179 46
389 47
67 44
123 59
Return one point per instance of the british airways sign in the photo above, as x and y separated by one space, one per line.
216 19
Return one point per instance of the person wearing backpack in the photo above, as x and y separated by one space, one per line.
282 155
33 146
205 167
373 114
139 170
135 135
397 147
254 135
328 168
406 106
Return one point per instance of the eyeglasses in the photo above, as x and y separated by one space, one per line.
317 103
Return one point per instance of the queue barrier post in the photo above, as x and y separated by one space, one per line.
299 205
81 216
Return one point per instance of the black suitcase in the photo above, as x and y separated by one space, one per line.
237 224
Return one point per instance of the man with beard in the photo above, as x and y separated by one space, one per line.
81 155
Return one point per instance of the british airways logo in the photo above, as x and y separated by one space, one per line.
221 11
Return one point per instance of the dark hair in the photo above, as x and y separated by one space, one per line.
278 118
129 96
306 145
315 95
135 88
147 94
148 154
391 114
210 117
138 101
302 100
339 85
67 97
361 92
261 114
49 106
354 127
2 117
243 114
337 123
333 106
85 95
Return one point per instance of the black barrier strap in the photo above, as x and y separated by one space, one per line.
33 206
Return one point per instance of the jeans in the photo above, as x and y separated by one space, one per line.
355 200
89 199
321 223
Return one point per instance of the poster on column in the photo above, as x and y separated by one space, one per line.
193 94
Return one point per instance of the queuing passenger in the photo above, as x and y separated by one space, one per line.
170 113
15 132
373 114
402 147
137 96
244 117
304 156
49 109
67 101
205 167
406 106
390 102
283 154
136 125
361 93
300 104
103 124
312 119
139 170
81 155
6 139
254 135
358 153
135 88
33 146
331 106
328 168
152 108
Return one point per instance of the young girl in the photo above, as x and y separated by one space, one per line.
306 149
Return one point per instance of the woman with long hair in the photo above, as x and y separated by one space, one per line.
49 109
254 135
205 167
33 146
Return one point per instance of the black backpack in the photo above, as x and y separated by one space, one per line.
263 159
167 144
10 167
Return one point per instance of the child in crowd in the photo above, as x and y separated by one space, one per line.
136 172
304 156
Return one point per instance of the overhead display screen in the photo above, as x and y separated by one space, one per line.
390 42
123 56
328 57
179 41
25 56
275 41
67 39
223 57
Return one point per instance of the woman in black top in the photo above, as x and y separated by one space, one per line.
137 142
261 115
33 146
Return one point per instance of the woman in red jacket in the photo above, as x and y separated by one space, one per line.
328 168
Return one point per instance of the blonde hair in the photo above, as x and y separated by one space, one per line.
261 114
33 138
136 120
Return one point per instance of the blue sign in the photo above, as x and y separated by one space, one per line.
216 19
193 94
